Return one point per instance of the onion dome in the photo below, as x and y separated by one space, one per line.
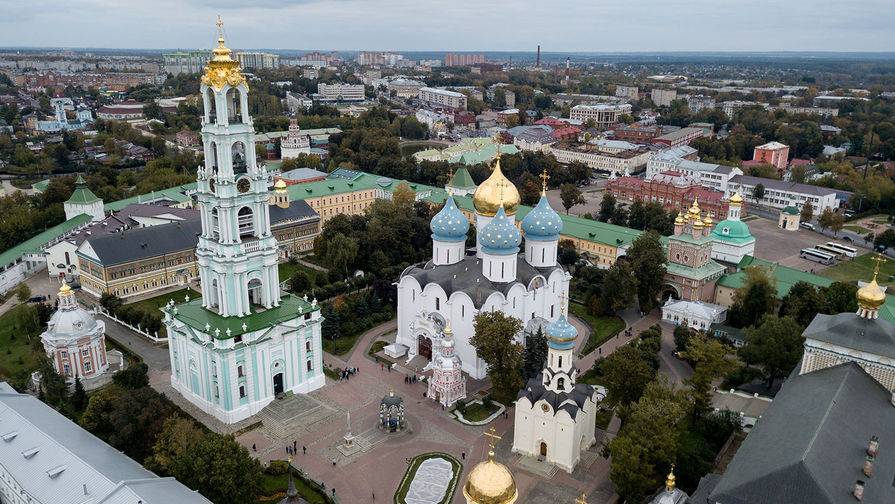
871 296
542 223
490 482
449 224
280 185
500 236
694 210
736 199
698 224
680 219
561 334
496 192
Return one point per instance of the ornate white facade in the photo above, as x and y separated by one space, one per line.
243 343
74 340
555 417
295 142
455 285
447 384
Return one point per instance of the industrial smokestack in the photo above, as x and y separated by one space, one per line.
538 61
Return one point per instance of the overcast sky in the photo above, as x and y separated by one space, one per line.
496 25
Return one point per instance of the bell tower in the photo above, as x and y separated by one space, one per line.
237 254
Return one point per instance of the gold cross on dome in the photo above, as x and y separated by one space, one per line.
492 433
544 178
562 302
879 260
450 173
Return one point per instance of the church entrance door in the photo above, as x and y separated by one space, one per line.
543 449
424 346
278 384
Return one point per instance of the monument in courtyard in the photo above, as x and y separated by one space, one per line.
244 342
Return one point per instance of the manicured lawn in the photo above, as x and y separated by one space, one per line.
456 466
476 412
377 347
17 359
153 304
273 488
287 269
861 268
340 346
602 328
856 229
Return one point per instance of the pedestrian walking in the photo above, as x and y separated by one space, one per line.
462 455
304 450
253 447
374 495
294 446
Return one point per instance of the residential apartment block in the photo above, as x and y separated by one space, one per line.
435 97
340 92
604 115
779 194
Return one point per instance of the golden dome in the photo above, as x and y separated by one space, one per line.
694 209
670 480
490 482
64 289
697 224
679 219
736 198
280 185
872 296
707 221
497 190
222 70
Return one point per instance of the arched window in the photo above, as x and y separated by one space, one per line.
234 106
238 155
561 383
254 288
210 112
245 218
213 157
215 224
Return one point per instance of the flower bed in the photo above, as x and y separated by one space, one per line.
431 478
478 413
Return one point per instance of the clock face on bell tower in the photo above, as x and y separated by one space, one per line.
243 185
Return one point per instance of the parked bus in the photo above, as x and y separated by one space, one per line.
817 256
845 250
827 249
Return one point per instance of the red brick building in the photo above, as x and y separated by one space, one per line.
568 133
673 190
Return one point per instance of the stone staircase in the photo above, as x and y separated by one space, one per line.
294 413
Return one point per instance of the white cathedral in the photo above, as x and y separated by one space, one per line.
457 284
244 342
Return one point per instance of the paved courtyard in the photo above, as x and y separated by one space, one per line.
782 247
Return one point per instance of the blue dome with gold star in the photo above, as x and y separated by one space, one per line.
500 236
449 224
542 223
561 334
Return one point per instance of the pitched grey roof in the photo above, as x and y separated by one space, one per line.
782 185
809 446
571 401
296 211
466 276
53 459
149 210
850 330
142 243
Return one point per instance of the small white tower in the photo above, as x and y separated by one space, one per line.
83 201
499 245
449 228
542 227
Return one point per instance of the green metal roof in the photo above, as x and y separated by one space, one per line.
177 194
195 316
462 179
785 277
708 269
36 243
41 186
737 231
791 210
82 194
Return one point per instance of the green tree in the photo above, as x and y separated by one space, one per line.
802 303
570 196
622 288
341 253
178 436
494 341
837 222
79 396
534 355
647 442
607 207
756 298
709 359
647 259
886 239
300 282
637 215
52 384
625 375
826 219
23 293
128 420
807 212
134 377
841 297
566 253
775 345
220 469
758 192
682 334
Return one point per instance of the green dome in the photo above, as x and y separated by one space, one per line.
791 210
732 230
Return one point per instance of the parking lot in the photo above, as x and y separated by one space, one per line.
782 247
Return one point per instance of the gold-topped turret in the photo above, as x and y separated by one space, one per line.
496 191
64 289
694 210
871 296
490 482
736 199
222 70
670 480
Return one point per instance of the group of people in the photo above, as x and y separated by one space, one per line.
410 380
347 373
293 450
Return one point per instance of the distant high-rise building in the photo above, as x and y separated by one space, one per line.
451 59
340 92
185 62
258 60
629 92
663 97
378 58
